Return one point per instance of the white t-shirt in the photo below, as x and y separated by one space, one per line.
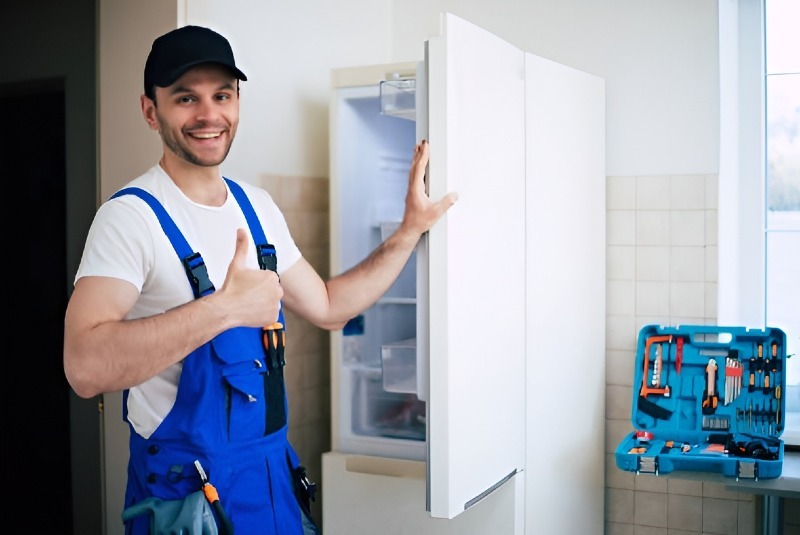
127 242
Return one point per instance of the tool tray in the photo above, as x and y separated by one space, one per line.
707 399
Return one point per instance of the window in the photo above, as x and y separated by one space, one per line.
782 188
759 178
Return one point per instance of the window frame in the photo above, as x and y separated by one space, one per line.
742 224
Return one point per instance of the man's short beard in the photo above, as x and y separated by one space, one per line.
173 145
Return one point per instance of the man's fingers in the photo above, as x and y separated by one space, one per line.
449 199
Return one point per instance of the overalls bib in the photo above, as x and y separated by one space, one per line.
230 413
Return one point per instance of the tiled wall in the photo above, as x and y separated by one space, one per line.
304 202
662 269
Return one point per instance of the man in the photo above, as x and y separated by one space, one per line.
179 295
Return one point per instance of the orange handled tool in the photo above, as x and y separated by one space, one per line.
710 397
210 492
274 340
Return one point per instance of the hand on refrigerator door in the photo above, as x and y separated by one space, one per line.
331 304
421 211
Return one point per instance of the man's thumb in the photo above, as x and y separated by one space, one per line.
240 254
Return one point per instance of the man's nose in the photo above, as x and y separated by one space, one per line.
208 108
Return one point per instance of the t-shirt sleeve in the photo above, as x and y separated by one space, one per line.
118 244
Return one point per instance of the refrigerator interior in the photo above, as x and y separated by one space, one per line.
380 410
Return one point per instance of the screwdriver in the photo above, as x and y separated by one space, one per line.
275 357
760 366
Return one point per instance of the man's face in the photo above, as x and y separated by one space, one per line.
197 116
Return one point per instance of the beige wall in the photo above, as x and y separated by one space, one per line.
304 202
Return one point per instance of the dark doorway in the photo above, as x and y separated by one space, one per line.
36 451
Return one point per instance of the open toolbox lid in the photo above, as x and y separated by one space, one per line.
707 398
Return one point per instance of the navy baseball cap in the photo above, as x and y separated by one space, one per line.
179 50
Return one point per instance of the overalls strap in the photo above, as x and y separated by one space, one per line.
265 251
192 261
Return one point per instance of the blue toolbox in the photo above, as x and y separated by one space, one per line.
707 399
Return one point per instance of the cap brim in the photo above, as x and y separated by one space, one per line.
170 78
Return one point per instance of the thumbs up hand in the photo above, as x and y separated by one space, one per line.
251 296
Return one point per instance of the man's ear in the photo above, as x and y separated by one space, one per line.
149 112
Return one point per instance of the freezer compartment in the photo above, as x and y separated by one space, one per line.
399 363
380 413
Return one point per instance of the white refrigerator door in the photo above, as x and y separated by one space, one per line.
475 265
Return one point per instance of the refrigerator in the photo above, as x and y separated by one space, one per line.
469 398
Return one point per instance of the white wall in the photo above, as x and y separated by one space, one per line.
659 60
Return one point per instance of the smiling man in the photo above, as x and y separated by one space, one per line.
178 303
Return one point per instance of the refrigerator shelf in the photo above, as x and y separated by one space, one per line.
398 98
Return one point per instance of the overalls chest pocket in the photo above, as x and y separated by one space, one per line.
255 391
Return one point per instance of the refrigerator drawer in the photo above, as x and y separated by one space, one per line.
378 412
399 362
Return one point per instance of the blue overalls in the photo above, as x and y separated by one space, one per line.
230 414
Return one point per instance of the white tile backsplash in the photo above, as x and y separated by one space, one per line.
621 262
652 227
621 227
687 227
719 516
711 263
652 298
652 192
621 332
620 298
712 191
621 193
649 508
687 263
687 192
712 237
652 263
687 299
662 257
619 368
685 513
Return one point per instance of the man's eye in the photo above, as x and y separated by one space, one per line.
223 96
185 99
